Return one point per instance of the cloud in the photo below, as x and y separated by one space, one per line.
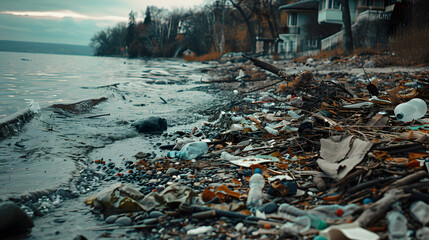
63 14
65 30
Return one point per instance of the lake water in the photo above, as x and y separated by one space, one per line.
54 152
48 78
55 144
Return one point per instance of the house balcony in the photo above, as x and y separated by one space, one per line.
372 15
293 30
330 16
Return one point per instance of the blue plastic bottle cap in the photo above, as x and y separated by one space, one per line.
258 170
367 201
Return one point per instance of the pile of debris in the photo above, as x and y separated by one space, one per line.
338 158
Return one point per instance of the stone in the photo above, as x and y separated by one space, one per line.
155 125
111 219
123 221
172 171
156 214
13 220
270 207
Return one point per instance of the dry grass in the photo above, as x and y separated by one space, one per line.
206 57
411 47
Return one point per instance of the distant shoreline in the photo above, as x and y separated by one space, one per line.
39 47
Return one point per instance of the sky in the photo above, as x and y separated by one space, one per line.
72 21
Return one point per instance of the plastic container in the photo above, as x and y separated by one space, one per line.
256 184
316 222
397 225
420 211
272 130
412 110
190 151
301 224
334 211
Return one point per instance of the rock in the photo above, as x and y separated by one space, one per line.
123 221
172 171
13 220
151 125
161 82
111 219
270 207
156 214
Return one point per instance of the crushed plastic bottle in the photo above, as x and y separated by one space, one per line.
190 151
412 110
256 184
316 222
397 225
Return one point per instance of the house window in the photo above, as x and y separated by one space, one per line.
312 43
329 4
322 4
371 3
292 19
336 4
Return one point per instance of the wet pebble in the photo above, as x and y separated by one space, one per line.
59 220
156 214
172 171
111 219
270 207
123 221
150 221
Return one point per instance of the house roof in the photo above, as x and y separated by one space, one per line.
301 5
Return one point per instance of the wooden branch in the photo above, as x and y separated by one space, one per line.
267 66
408 180
379 208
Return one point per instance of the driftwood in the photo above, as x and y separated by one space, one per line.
79 107
267 66
379 208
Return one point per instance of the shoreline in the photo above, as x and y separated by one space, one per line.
207 176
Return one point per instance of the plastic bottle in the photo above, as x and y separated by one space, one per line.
256 184
272 130
301 224
411 110
397 225
316 222
190 151
334 211
420 211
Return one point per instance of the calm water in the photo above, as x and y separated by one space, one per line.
48 78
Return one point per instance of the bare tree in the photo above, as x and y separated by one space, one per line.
348 35
250 5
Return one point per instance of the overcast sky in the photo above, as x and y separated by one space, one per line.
71 21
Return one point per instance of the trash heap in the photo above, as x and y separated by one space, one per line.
311 157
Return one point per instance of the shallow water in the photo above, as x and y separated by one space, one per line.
53 147
52 154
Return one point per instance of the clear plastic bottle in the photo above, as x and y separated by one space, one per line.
334 211
256 184
190 151
316 222
301 224
397 225
411 110
420 211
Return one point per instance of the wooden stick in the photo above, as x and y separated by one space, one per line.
267 66
379 208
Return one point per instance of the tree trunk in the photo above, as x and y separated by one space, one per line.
347 23
246 19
